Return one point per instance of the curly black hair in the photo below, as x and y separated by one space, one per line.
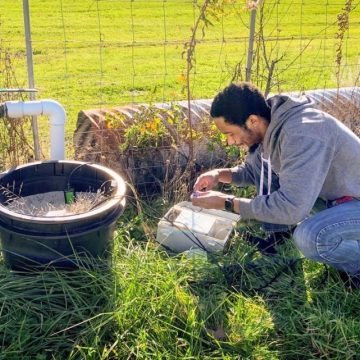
238 101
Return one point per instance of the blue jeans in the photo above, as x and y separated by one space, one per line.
330 236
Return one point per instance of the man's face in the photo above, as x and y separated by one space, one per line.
246 137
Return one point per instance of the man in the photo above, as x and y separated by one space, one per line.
297 154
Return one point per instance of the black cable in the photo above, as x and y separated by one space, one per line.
75 169
69 189
234 272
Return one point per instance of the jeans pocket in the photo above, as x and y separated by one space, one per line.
340 242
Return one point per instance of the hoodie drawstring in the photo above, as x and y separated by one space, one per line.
269 175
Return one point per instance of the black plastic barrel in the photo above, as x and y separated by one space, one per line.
61 241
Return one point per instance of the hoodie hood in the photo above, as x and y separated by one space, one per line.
283 109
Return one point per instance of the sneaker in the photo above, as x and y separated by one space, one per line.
267 245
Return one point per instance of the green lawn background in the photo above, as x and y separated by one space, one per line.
102 53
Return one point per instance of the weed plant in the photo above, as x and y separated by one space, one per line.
15 146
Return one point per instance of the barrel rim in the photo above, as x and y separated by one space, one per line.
113 201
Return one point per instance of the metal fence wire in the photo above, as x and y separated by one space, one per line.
98 56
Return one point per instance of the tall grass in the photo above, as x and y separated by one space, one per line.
147 304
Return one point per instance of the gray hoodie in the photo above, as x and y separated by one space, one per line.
313 154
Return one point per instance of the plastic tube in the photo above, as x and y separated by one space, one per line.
57 118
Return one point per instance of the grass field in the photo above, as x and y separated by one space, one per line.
148 304
102 53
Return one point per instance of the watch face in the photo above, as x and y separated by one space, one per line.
229 204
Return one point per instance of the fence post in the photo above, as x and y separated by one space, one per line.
250 54
30 69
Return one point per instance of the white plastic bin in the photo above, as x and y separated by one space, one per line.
186 227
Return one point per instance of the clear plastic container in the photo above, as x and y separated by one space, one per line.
186 227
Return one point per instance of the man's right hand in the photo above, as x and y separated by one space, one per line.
207 181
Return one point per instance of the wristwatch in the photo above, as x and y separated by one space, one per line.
229 204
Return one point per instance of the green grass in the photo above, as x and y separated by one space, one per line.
149 305
103 53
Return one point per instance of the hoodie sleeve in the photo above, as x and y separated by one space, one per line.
305 161
242 175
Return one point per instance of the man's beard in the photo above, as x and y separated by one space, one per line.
252 148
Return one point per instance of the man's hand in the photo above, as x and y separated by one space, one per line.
207 181
209 199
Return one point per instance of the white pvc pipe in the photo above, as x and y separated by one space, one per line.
57 118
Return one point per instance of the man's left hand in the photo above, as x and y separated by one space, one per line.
209 199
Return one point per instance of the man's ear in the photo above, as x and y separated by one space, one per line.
252 121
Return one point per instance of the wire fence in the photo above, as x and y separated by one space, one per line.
103 54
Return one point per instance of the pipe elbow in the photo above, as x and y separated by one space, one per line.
49 108
55 112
